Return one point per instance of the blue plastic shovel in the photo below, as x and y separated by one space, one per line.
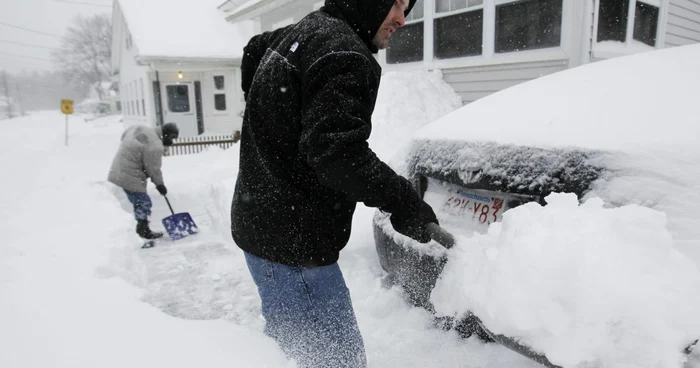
179 225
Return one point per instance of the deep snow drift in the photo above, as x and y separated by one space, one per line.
586 285
583 284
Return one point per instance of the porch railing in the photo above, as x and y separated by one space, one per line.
193 145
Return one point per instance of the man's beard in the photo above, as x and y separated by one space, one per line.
381 45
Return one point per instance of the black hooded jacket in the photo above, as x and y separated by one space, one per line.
310 91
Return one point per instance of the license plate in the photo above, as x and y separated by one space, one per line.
478 208
463 209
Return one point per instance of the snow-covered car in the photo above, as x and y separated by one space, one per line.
626 130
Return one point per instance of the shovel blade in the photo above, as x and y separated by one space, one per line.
180 225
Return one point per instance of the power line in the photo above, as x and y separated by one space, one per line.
25 56
22 62
29 45
16 63
82 3
30 30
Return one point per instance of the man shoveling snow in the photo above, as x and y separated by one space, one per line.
140 157
583 284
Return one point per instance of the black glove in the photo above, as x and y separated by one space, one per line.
410 214
412 223
162 189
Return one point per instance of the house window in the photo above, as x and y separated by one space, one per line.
458 28
406 44
143 97
646 22
178 98
219 82
220 102
528 25
219 95
136 100
613 18
128 100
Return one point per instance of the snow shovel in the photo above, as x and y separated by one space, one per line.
179 225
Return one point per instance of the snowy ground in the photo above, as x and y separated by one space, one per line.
77 291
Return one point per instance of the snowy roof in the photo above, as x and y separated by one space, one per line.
184 29
252 8
625 103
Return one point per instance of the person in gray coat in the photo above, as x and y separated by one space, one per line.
139 157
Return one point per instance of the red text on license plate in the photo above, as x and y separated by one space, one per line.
484 210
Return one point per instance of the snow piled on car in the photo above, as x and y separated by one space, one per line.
631 104
586 285
605 273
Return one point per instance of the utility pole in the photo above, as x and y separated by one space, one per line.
7 95
19 98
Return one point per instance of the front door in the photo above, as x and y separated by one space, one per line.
180 107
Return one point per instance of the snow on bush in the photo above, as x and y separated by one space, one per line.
406 102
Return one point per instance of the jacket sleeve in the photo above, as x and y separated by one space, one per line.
338 101
253 52
152 162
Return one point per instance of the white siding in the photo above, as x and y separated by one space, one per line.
295 10
215 122
129 75
683 25
477 82
474 82
221 122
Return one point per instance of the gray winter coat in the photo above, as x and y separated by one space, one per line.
139 157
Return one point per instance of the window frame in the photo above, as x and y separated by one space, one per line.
439 15
425 36
628 47
488 55
168 100
216 91
137 99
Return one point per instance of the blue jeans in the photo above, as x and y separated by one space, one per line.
142 204
309 312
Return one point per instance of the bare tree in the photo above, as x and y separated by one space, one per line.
85 54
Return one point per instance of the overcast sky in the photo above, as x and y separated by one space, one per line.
44 16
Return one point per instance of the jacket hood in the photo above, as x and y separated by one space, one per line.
364 16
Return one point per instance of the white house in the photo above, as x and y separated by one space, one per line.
483 46
177 61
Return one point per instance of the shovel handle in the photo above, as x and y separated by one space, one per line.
440 235
169 206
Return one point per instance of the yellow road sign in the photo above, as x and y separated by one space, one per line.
67 106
